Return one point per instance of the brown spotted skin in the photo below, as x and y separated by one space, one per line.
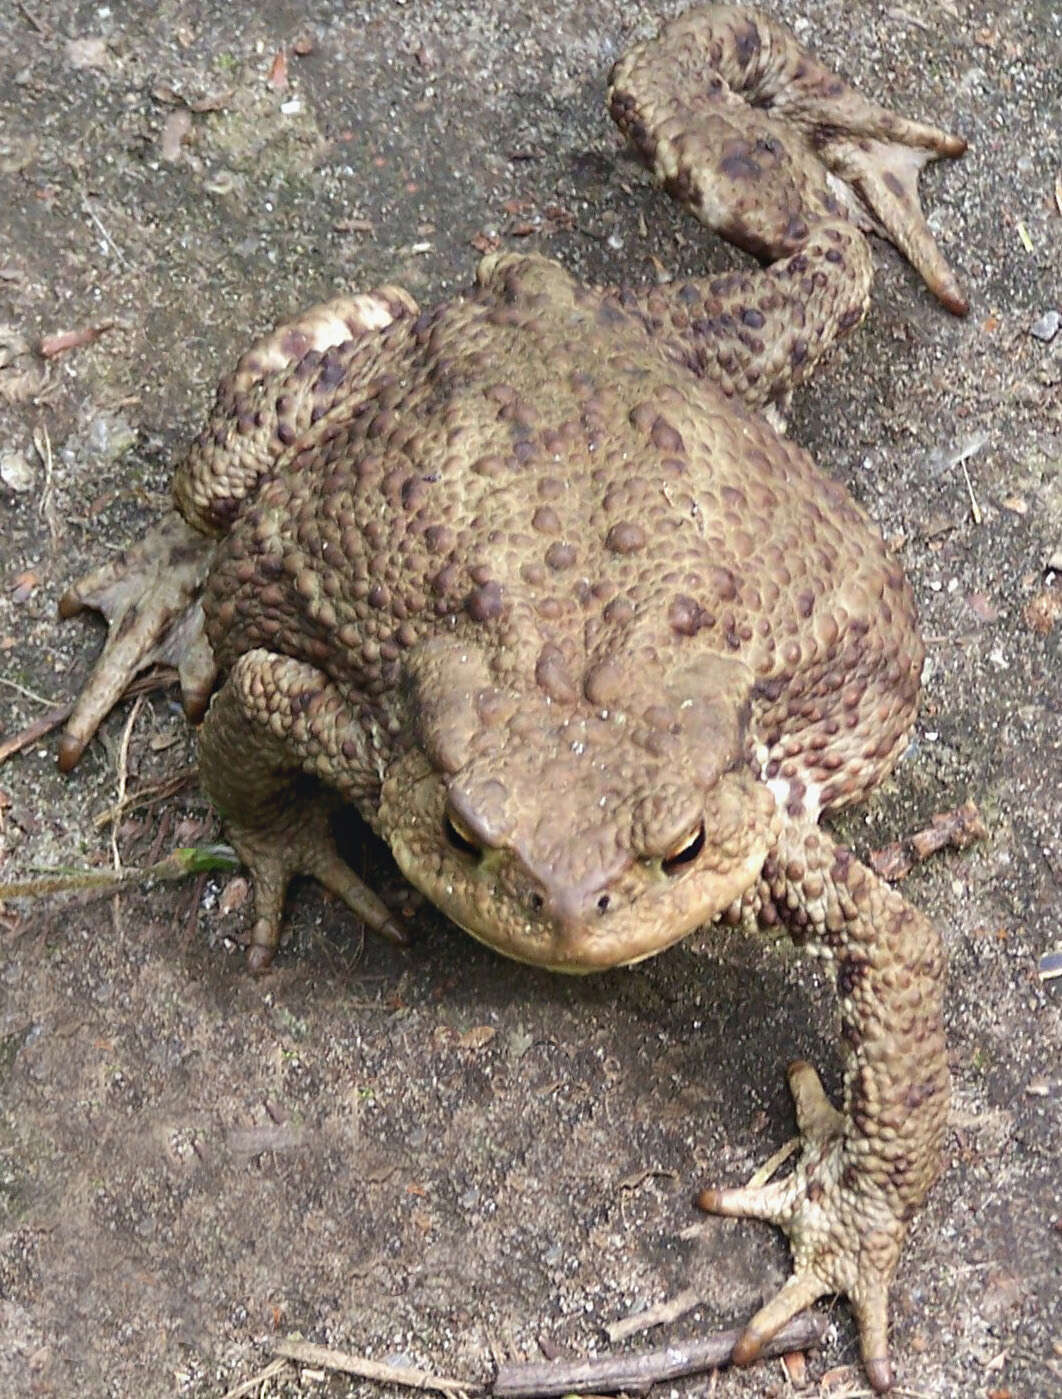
531 581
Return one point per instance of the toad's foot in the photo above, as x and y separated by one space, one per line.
299 841
760 141
284 384
149 595
843 1233
863 1172
279 752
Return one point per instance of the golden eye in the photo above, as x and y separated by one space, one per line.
460 837
685 852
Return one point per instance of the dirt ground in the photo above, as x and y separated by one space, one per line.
431 1155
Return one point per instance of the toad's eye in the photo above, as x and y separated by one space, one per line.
460 837
685 852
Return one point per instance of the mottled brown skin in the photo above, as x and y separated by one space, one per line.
532 582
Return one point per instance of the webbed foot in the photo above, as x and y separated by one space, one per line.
844 1235
279 751
300 842
149 595
761 141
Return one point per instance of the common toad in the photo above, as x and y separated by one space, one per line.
532 580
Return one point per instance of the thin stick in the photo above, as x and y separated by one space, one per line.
146 796
608 1374
657 1315
249 1386
123 778
22 690
186 860
32 732
28 15
115 249
328 1359
46 510
156 679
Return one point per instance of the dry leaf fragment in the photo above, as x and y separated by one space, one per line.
476 1038
234 895
175 131
891 861
170 97
23 585
796 1368
278 72
52 345
1043 611
22 374
215 102
958 828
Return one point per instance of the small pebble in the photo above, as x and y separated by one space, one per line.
1045 327
16 471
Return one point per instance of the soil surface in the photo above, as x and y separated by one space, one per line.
429 1155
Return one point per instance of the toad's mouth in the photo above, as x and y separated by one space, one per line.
582 961
663 914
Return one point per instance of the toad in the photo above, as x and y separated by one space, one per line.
535 581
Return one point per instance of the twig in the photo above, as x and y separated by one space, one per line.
636 1373
248 1386
328 1359
123 777
32 732
146 796
157 679
31 19
45 510
178 864
956 828
115 249
657 1315
24 690
975 509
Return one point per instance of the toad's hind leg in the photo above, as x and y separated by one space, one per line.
149 594
863 1172
279 751
760 141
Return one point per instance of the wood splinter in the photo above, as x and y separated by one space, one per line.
638 1372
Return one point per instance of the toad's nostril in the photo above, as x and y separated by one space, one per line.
603 903
536 901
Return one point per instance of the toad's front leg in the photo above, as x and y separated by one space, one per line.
279 751
863 1172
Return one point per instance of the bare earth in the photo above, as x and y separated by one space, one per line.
433 1156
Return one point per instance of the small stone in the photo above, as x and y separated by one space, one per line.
87 52
16 471
1045 327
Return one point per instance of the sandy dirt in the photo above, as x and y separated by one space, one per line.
432 1156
